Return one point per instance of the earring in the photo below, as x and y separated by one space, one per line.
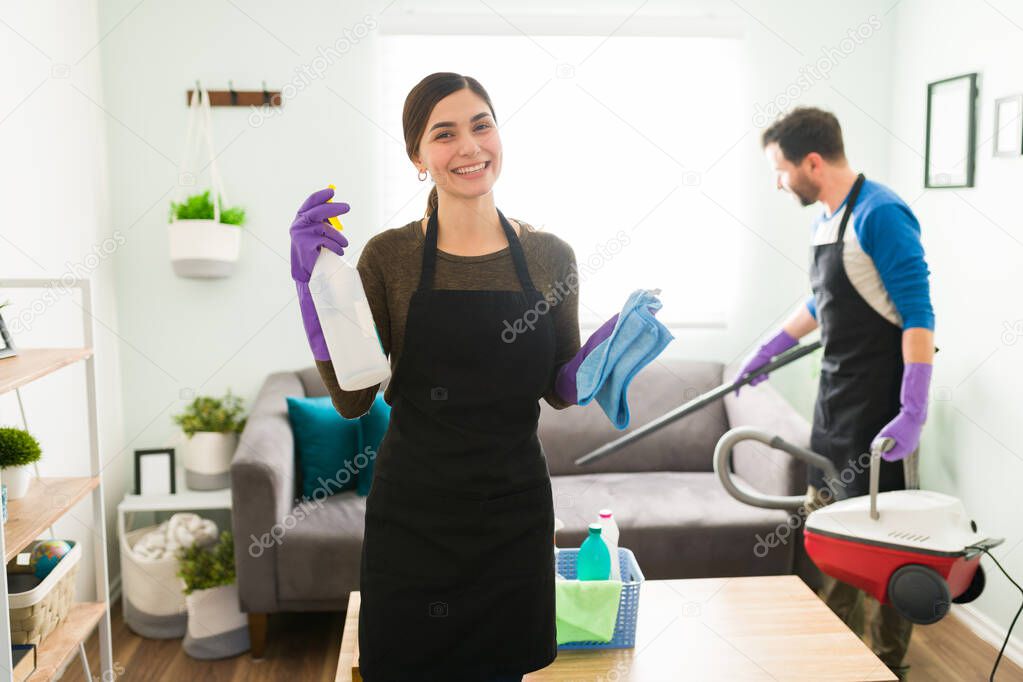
422 176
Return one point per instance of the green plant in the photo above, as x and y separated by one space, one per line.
200 207
206 413
18 447
203 568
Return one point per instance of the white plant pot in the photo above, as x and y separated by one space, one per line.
17 479
204 248
217 628
208 456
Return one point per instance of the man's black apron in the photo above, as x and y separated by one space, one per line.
457 573
861 372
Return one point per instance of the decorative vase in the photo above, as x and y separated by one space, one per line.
217 628
17 479
208 457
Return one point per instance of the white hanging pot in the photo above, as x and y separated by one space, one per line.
17 479
217 628
208 457
204 248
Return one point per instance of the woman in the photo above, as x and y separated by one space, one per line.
457 576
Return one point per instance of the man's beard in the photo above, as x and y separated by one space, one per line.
807 194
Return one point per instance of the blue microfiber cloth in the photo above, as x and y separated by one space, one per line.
638 338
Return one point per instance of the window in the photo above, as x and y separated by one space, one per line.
607 143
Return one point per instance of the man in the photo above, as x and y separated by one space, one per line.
871 300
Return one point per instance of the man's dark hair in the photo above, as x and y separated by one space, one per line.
804 130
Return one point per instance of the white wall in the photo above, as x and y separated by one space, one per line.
208 336
53 190
973 443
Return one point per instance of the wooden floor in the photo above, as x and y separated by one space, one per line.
305 647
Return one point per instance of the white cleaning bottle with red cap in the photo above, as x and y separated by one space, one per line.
609 533
347 321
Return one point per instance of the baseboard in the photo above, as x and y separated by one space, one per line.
989 631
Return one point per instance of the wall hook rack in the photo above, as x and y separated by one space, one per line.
239 98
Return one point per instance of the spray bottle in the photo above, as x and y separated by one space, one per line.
347 321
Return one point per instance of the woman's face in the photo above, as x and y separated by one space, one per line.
461 147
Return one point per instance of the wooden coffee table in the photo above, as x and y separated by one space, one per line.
736 629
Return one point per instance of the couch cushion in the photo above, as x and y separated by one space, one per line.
326 445
678 524
321 549
774 472
685 445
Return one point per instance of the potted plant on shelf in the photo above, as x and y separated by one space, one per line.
18 451
217 628
205 238
212 426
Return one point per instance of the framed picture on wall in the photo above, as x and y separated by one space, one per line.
154 471
1009 126
7 348
951 132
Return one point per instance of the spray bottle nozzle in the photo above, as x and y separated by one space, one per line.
334 220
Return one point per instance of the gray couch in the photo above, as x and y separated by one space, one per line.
672 512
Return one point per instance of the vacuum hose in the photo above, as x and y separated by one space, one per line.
744 493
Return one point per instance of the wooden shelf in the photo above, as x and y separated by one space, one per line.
54 651
47 500
33 363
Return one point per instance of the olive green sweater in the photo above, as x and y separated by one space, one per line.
390 266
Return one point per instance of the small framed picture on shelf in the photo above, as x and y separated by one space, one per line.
1009 126
154 471
7 348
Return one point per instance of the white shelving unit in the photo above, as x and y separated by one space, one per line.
49 498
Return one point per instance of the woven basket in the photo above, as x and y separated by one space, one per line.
30 624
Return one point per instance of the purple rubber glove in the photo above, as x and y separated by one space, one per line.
309 232
565 383
905 428
779 343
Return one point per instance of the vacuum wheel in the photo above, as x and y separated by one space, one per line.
919 593
974 589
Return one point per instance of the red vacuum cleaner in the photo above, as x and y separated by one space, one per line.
917 550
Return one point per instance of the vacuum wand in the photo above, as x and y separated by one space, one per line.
697 403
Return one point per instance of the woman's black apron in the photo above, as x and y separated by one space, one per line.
457 573
861 372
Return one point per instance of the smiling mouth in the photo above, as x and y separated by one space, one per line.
475 169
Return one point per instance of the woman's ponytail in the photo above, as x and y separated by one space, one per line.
431 202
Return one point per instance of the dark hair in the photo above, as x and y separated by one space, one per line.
804 130
420 103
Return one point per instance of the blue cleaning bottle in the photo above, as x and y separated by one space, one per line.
594 560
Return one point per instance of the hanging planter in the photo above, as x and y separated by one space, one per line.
205 238
201 245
